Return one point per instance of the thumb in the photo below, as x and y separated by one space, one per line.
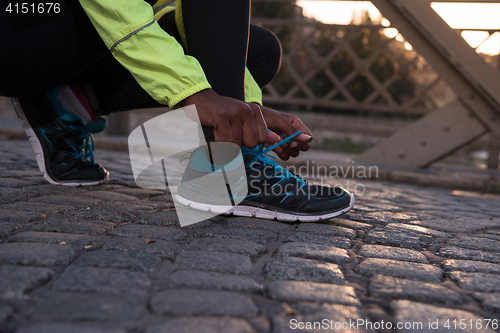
303 137
272 138
286 126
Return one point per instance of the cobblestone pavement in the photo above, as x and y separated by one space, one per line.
112 258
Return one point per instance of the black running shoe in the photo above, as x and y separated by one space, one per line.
63 145
273 192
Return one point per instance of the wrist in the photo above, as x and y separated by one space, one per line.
195 98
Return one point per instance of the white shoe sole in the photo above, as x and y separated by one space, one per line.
249 211
37 149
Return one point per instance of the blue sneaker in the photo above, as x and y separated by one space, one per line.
63 145
273 191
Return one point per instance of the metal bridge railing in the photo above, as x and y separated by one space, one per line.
353 67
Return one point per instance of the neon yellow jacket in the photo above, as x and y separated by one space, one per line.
154 58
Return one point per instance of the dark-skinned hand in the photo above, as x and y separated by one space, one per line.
285 125
233 120
246 124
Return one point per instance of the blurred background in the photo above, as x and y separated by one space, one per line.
353 78
358 80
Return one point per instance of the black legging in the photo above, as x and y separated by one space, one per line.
66 49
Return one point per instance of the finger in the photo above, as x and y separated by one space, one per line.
284 125
236 127
260 123
300 145
303 138
250 135
300 125
222 131
292 152
304 146
272 138
281 154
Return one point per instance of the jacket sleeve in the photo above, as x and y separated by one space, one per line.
253 93
153 57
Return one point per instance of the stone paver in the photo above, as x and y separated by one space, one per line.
247 222
19 208
95 213
466 254
36 254
206 303
249 234
65 328
135 261
402 227
402 269
295 291
326 230
303 237
7 228
54 238
16 281
10 215
249 248
12 182
160 247
418 315
490 302
476 281
389 287
74 201
492 234
351 224
394 253
397 238
214 261
303 270
327 314
165 218
113 258
154 232
388 217
470 266
476 243
5 312
313 251
91 228
460 224
138 192
111 196
203 325
102 280
212 280
76 306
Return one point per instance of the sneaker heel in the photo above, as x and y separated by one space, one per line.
39 161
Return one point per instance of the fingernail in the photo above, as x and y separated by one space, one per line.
294 145
273 137
303 137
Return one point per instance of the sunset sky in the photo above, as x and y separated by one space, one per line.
457 15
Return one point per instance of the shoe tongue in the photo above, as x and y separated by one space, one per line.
253 151
249 154
59 110
97 126
200 161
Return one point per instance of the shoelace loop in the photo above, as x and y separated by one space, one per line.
281 172
88 144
